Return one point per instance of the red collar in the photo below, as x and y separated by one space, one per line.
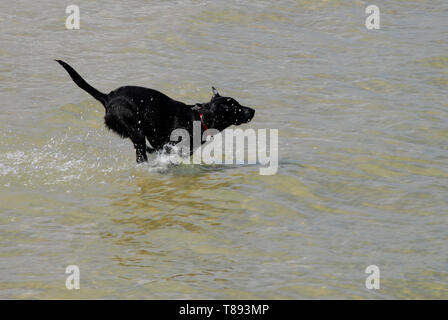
201 116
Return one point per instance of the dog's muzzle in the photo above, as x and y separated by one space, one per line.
248 114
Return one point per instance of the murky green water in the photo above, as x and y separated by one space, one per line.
363 130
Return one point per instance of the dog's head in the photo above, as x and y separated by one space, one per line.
222 112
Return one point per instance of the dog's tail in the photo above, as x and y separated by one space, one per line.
83 84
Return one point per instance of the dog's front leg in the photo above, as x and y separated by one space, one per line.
140 152
138 139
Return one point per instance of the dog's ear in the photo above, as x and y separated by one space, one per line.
215 93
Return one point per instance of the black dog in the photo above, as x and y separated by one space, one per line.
138 113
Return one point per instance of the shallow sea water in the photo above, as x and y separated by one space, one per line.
363 173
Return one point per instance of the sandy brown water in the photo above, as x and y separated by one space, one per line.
363 130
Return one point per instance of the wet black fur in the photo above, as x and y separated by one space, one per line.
138 113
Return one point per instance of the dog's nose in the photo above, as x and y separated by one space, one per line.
249 113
